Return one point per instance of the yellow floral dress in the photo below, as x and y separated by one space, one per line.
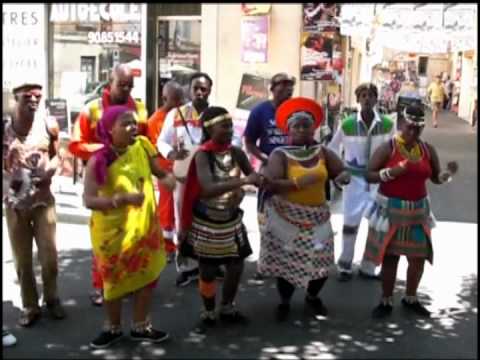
127 241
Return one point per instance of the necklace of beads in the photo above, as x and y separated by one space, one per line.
414 154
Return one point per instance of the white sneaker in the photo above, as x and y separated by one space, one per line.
8 339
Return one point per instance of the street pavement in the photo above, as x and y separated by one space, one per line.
448 288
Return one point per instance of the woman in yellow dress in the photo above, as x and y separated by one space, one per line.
298 245
126 237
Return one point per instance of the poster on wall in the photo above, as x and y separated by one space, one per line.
254 39
58 109
253 90
318 17
321 56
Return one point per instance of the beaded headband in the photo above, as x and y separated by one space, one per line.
216 120
409 119
300 115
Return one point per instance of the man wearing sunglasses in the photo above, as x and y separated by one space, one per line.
30 145
84 141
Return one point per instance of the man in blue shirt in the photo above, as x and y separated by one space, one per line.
261 128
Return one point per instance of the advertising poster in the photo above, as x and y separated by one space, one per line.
254 39
318 17
58 109
253 90
321 56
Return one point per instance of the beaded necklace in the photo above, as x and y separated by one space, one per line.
414 154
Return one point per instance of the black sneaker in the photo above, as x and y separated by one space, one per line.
282 312
416 307
317 305
105 339
344 276
234 317
150 335
382 311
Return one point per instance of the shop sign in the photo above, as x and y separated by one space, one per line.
318 17
253 90
95 12
117 37
23 42
254 39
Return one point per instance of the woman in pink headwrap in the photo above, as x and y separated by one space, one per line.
126 238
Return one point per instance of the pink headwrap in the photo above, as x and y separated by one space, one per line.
106 156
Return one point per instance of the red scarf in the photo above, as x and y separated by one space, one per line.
106 101
193 186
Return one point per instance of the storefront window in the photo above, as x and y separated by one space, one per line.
88 41
179 43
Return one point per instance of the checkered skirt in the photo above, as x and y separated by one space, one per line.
298 242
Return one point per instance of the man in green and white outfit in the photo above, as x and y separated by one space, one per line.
360 134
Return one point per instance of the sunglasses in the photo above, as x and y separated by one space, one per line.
27 95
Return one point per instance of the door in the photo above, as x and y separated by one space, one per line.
178 51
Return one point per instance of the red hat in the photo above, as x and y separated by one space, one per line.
298 104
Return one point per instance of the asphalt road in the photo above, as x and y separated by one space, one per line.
448 288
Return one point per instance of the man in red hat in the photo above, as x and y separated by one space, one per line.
30 145
262 135
84 140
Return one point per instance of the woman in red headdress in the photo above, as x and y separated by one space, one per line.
298 245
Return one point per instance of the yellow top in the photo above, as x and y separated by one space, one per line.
436 92
313 195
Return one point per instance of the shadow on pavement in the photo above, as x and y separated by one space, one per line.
348 332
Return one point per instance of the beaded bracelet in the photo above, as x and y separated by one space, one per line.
385 175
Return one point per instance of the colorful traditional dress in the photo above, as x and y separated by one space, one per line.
127 241
400 220
217 233
298 241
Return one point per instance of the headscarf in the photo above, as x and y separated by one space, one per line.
106 156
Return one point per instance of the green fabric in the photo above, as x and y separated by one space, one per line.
350 128
349 125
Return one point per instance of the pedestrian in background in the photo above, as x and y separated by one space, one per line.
172 97
84 141
261 127
126 237
297 247
436 95
211 220
359 134
400 220
30 146
180 137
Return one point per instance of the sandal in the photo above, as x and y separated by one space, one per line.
29 317
97 298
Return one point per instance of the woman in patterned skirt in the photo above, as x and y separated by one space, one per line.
298 243
211 220
400 221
